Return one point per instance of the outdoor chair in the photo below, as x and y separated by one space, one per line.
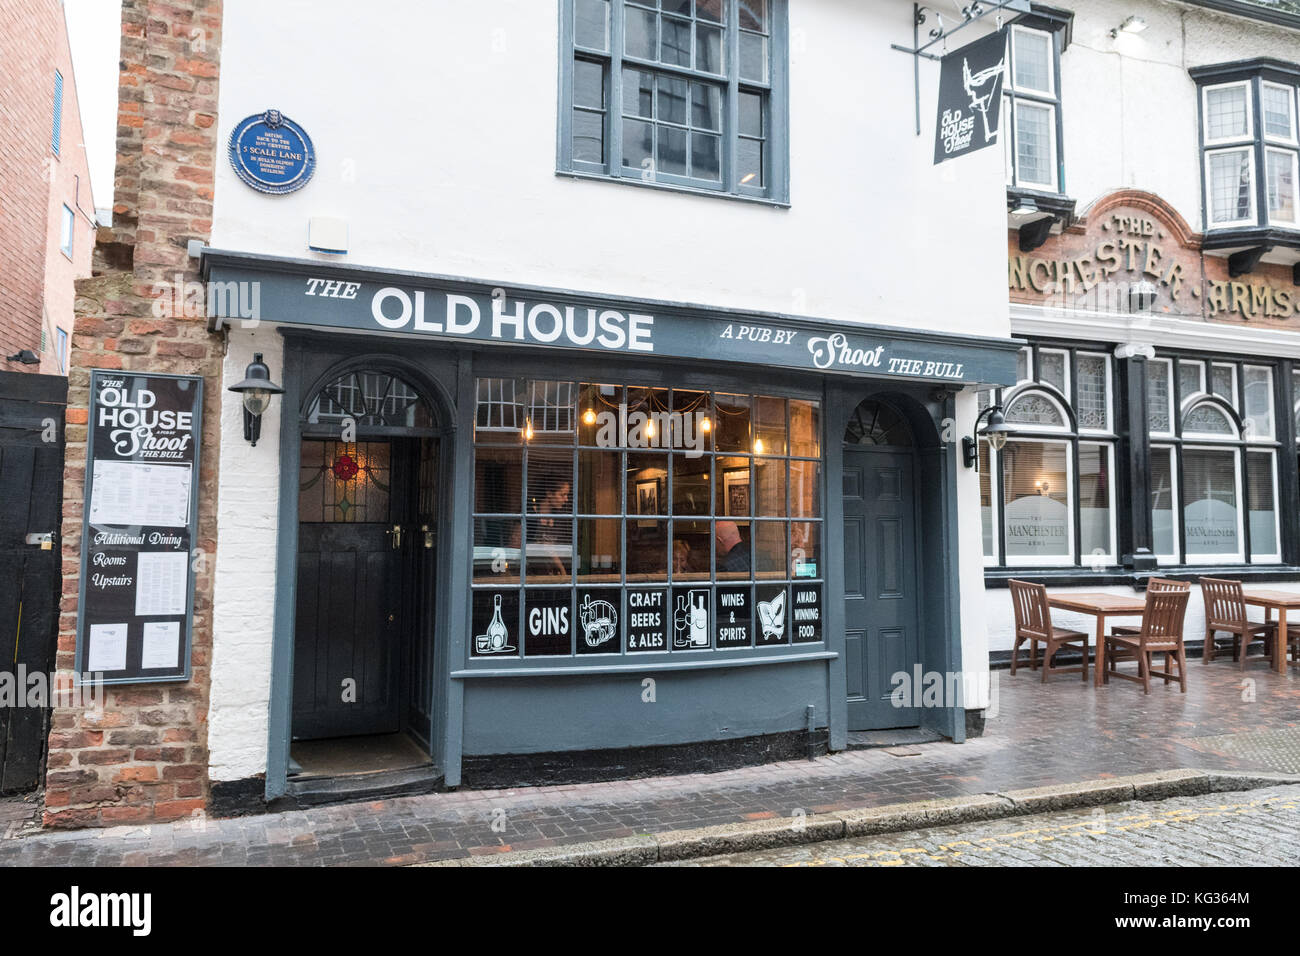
1161 633
1225 610
1154 584
1034 624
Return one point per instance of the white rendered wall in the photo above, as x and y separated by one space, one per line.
243 606
435 123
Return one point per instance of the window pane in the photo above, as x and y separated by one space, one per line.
647 483
753 15
672 150
499 414
1036 515
696 557
1033 60
497 548
548 548
733 422
1277 112
1281 185
550 481
1051 369
1158 374
771 555
638 145
805 428
986 500
1094 399
1208 420
588 136
497 473
692 420
1022 364
770 482
691 485
733 495
1191 378
598 483
753 57
1094 501
672 100
675 40
1223 383
588 84
1162 501
1259 402
708 49
1034 408
1034 134
749 162
706 156
769 426
638 93
551 416
598 415
600 549
751 115
641 33
805 489
805 549
1261 498
706 106
710 10
1225 112
647 550
1210 501
1230 186
591 24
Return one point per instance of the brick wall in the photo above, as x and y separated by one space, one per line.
27 29
144 757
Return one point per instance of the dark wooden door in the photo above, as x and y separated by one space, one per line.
348 634
881 584
31 503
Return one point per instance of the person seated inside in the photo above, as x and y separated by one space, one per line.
733 551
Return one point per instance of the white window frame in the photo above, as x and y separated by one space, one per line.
1205 113
68 231
1274 557
1175 506
1232 399
1053 561
1065 366
1239 557
1290 94
1169 391
1038 389
1019 30
1109 449
1253 216
1051 139
1110 401
1295 185
1250 435
1199 399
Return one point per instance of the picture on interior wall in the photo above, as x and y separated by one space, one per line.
736 486
647 500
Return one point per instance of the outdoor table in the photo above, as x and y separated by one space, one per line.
1270 601
1102 606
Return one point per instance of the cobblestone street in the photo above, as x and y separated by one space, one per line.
1258 828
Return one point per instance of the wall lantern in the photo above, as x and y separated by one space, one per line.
256 390
1133 24
995 432
26 357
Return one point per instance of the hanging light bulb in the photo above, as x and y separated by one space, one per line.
650 428
589 417
705 424
758 446
528 429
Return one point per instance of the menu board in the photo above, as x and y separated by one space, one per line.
135 615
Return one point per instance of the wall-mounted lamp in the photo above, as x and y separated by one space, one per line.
1132 24
256 390
1042 487
26 357
995 433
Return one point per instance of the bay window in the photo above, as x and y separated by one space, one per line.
1031 105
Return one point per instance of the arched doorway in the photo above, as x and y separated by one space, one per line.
363 666
882 577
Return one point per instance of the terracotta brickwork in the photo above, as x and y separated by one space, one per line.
1129 237
144 755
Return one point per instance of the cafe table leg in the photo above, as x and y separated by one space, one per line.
1099 664
1279 645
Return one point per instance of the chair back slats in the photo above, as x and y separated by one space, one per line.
1162 621
1225 606
1030 603
1167 584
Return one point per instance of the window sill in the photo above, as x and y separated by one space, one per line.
1233 237
675 188
564 667
995 578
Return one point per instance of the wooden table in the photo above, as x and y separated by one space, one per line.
1103 606
1270 601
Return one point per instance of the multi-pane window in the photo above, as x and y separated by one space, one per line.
67 227
1031 102
1048 498
621 518
1251 152
686 93
1213 461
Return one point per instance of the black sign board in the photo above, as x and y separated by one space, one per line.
136 610
735 624
691 630
970 97
772 604
647 619
806 613
494 619
548 621
598 620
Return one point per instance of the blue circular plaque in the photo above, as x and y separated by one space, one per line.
272 153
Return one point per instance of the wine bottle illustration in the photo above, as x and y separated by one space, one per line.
699 619
496 639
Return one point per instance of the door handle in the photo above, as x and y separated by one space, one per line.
45 540
428 536
396 535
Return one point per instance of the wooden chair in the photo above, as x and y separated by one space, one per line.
1161 633
1225 610
1154 584
1034 624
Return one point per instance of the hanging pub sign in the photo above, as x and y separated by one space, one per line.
136 609
970 97
272 153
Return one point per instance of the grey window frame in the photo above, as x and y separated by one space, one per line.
776 190
1012 95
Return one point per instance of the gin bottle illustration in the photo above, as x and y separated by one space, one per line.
496 631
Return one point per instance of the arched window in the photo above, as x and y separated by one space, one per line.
875 423
370 399
1040 508
1213 466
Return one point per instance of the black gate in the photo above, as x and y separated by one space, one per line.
31 506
